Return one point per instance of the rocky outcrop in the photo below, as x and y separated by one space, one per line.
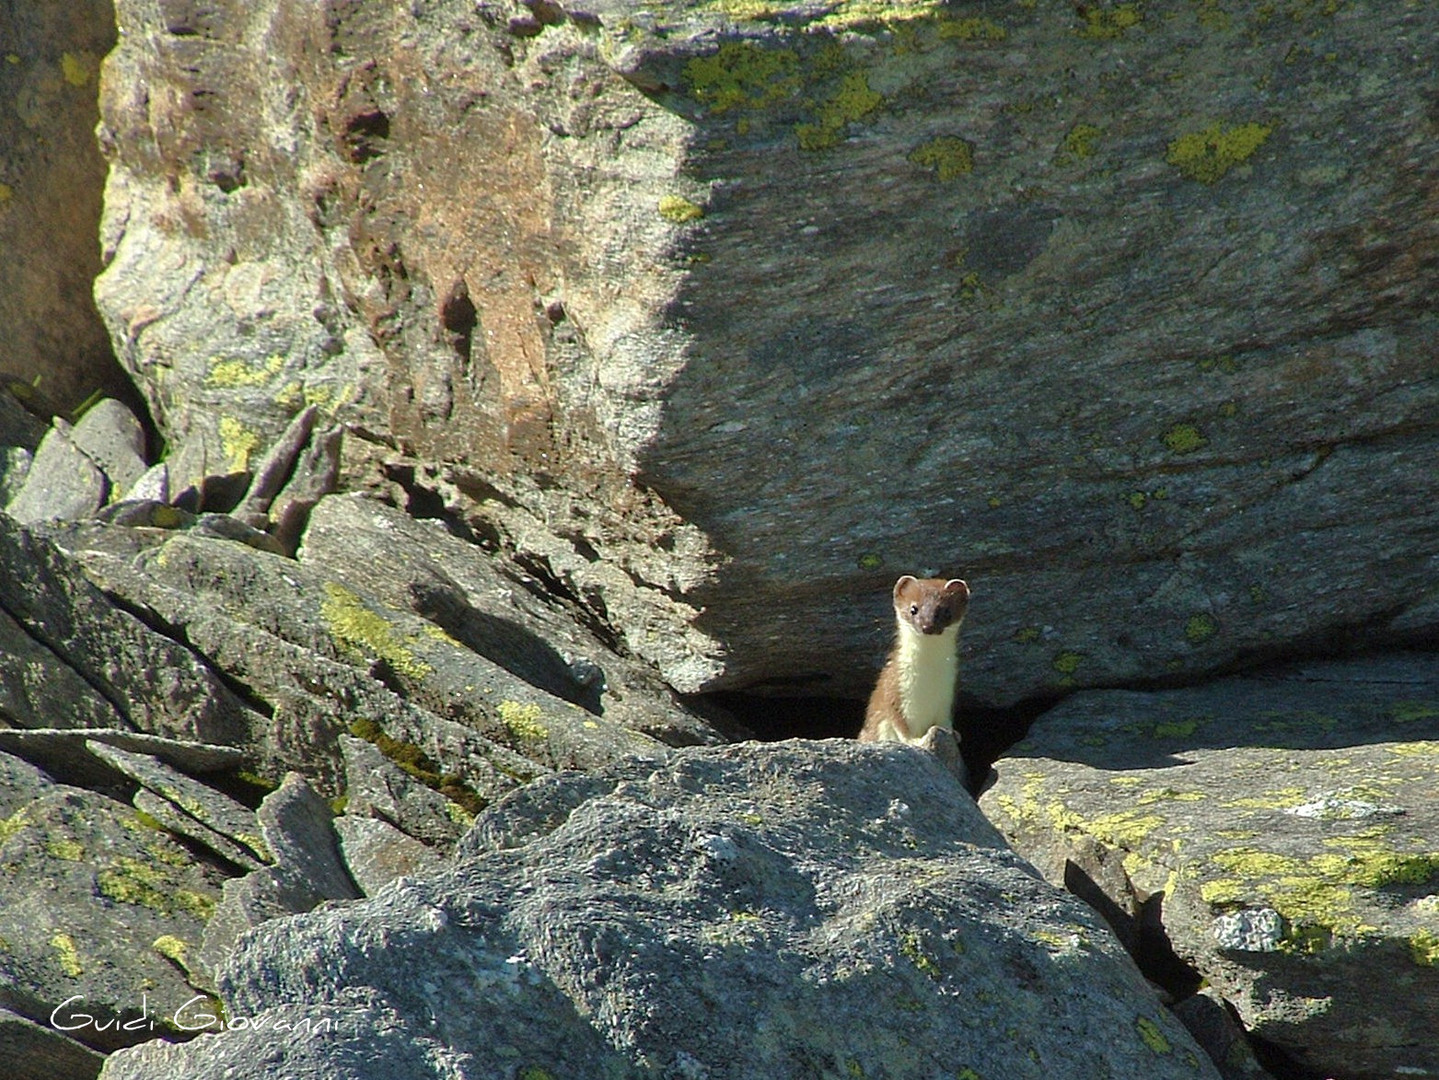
800 909
724 314
56 350
1277 835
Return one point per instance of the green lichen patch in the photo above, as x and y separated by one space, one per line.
69 956
173 949
948 157
238 443
1409 712
912 947
1316 895
1107 23
1152 1035
20 819
1079 143
414 762
1067 662
1206 156
853 100
679 210
971 29
523 720
133 881
1424 948
1200 628
361 630
239 374
65 848
1183 439
743 75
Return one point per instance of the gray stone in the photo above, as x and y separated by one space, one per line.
210 808
316 473
38 690
19 428
36 1052
1307 922
495 609
779 910
375 786
46 745
14 468
110 436
308 870
153 484
301 638
56 350
376 852
182 824
227 527
62 483
724 409
95 903
1213 1026
275 467
299 830
154 683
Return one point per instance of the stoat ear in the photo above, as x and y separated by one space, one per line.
902 585
956 587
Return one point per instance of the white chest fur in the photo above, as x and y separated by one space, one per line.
928 666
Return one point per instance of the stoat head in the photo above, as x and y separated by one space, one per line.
930 605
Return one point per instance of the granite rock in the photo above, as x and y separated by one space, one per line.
781 911
1282 831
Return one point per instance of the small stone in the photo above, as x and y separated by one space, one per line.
63 483
1254 930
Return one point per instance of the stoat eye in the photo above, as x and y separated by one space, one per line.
914 609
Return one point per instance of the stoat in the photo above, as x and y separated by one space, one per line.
915 691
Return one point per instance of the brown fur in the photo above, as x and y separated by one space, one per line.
928 614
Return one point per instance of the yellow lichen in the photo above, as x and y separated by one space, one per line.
172 948
238 442
78 69
1207 155
237 374
1067 662
741 74
355 626
1107 23
854 100
1183 439
1079 142
131 881
973 29
523 720
64 944
65 848
1152 1035
949 156
1200 628
1424 948
679 210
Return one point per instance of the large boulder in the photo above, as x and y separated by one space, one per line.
55 350
776 911
1278 836
725 314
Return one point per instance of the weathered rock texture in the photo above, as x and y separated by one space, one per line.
1124 314
787 911
1283 829
53 346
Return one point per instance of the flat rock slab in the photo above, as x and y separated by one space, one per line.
1291 824
154 683
42 745
110 436
94 905
210 808
63 483
376 852
781 911
38 1052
